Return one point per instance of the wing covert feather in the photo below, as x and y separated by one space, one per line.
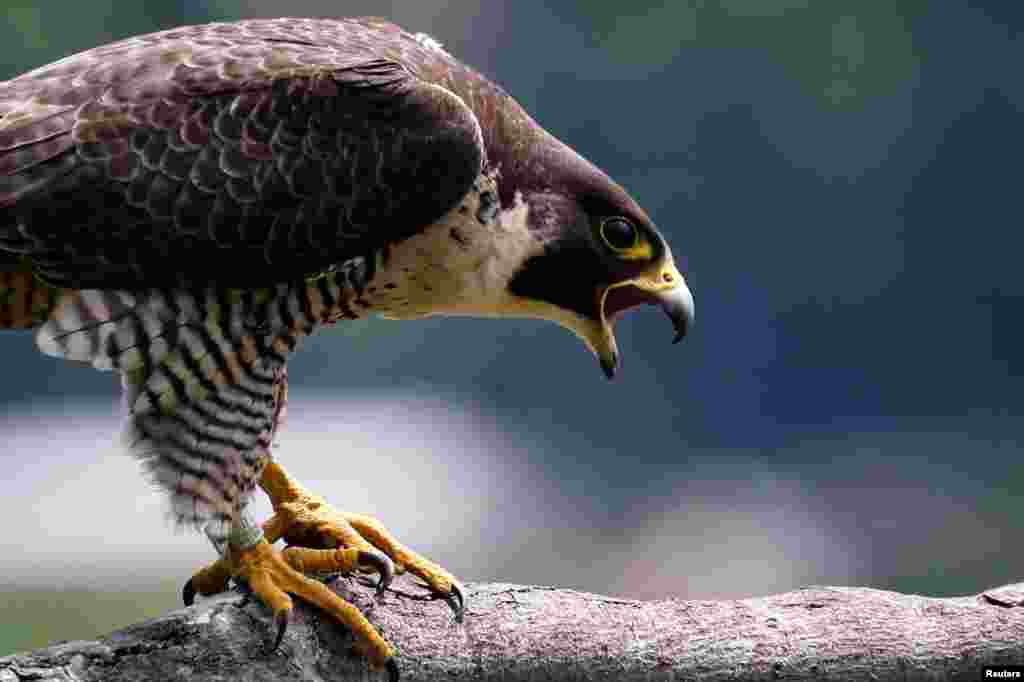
237 157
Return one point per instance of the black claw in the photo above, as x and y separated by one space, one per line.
282 624
382 562
456 601
392 669
188 593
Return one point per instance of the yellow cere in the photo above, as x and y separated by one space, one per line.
642 250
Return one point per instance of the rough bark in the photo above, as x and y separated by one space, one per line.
513 632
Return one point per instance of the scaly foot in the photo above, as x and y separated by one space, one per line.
273 575
305 519
322 540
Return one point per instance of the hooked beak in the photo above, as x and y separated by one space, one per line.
664 287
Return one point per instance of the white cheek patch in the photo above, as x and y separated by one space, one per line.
460 265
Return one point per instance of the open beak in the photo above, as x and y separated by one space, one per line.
664 287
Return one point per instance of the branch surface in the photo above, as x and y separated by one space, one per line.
515 633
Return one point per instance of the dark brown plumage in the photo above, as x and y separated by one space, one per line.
291 145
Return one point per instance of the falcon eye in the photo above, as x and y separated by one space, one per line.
623 238
619 234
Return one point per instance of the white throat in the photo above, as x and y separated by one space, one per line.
459 265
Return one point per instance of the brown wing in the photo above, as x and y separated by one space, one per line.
240 154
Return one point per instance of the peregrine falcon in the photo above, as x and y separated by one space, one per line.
184 207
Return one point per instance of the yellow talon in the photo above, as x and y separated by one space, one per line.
272 576
306 519
321 540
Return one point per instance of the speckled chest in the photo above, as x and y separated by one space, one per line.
459 265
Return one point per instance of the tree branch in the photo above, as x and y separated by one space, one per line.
514 633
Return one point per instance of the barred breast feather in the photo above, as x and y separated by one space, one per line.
203 374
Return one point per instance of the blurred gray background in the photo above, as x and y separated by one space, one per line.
840 182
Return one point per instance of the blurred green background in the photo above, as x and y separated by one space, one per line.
839 181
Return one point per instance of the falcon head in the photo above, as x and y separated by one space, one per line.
599 253
561 241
